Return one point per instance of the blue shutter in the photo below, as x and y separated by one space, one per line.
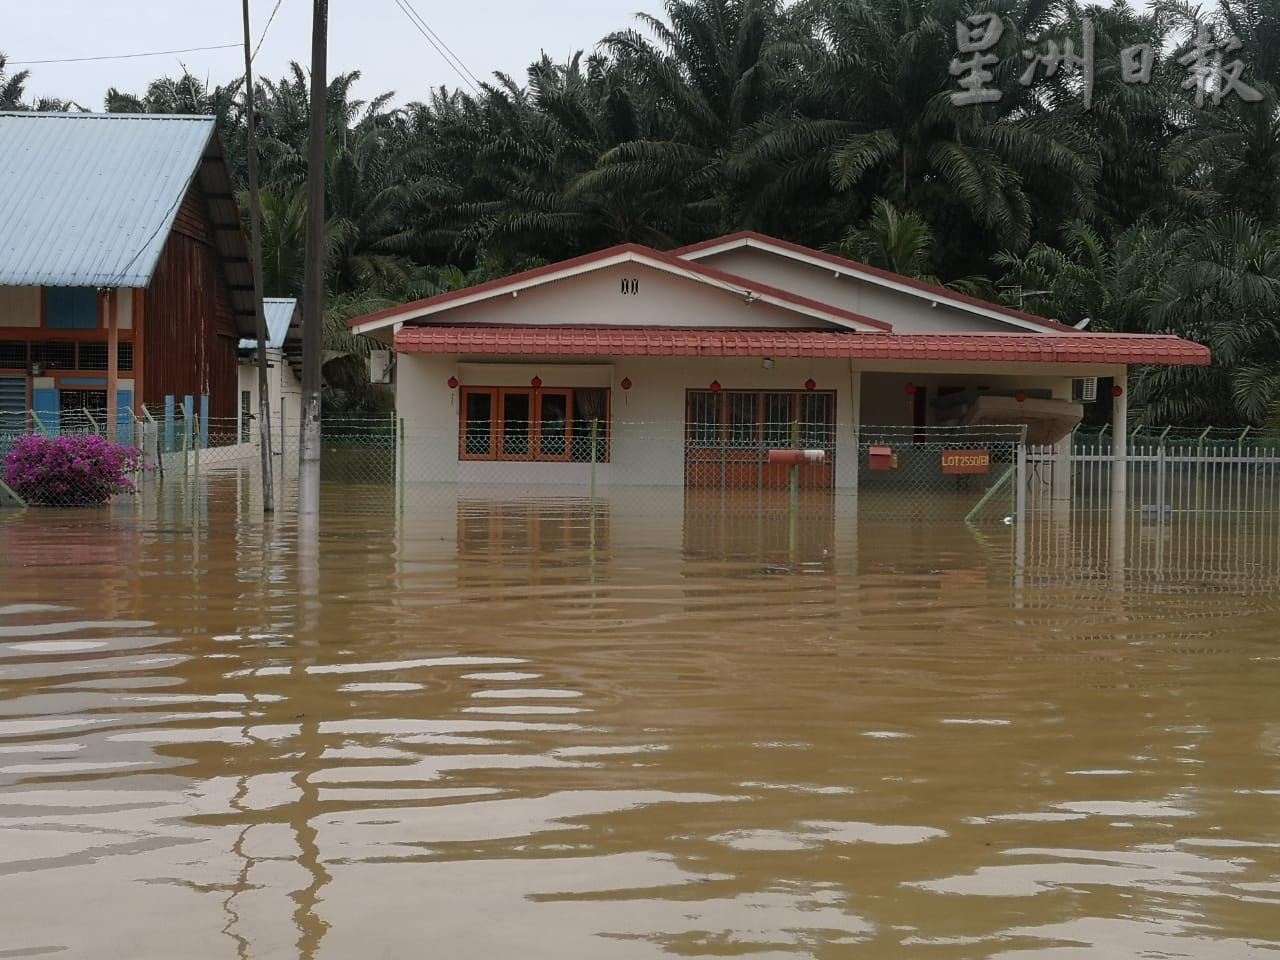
124 417
48 407
71 308
13 411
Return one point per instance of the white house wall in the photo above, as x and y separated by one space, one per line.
648 441
648 421
907 313
281 385
595 299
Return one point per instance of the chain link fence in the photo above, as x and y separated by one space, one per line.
916 474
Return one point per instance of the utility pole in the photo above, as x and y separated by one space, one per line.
255 239
313 282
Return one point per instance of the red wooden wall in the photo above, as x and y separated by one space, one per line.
188 333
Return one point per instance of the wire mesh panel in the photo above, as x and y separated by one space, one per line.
729 434
938 473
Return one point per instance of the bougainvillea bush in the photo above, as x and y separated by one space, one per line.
70 471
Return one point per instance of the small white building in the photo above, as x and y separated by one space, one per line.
693 364
284 388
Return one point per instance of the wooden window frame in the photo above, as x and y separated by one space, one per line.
535 454
695 436
500 424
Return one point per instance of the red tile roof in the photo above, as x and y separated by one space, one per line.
1117 348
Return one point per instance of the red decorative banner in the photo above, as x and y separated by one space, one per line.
966 461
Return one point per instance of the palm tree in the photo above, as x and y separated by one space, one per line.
12 87
1223 289
713 72
1112 284
284 222
1232 150
875 117
547 138
890 240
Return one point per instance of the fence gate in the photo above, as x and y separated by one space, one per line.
729 433
939 473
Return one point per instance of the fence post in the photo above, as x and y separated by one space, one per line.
1161 465
1020 493
188 411
794 526
154 428
595 435
196 465
169 440
1200 464
400 459
282 431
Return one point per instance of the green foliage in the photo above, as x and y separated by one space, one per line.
825 122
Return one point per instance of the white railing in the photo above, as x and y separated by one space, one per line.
1159 480
1188 511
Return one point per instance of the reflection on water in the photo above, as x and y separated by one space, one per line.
652 726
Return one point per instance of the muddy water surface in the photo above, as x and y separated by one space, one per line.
531 730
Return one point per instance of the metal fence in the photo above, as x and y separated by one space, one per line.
1159 481
1170 511
983 476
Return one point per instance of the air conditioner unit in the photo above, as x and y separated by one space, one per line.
381 363
1086 389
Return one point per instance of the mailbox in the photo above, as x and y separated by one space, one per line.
882 458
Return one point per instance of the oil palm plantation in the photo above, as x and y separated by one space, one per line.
714 71
547 139
1230 150
1223 290
875 118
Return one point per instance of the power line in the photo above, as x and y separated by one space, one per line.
124 56
155 53
274 11
451 58
427 26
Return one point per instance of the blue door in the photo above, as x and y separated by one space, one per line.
124 417
48 407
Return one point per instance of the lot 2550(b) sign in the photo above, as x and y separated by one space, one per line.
966 461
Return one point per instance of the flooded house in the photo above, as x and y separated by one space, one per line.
284 367
124 275
687 367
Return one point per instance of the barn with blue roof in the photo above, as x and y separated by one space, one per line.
125 277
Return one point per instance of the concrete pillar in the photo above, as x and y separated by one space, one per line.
848 425
113 376
1120 440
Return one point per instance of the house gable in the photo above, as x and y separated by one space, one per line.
621 286
632 295
908 305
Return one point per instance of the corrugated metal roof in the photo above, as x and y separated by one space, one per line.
88 199
280 312
1098 348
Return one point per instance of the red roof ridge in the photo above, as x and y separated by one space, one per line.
747 236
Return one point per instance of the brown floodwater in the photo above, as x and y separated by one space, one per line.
534 728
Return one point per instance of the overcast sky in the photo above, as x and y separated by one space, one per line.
373 36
